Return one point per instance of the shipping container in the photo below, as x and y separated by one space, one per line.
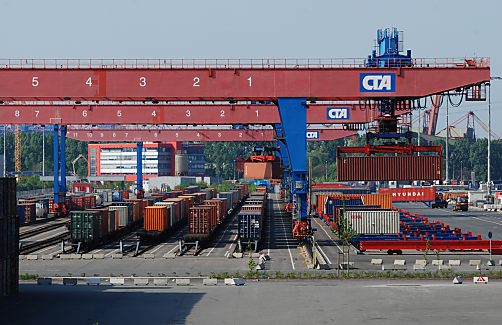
389 168
9 276
104 219
262 170
220 212
229 197
130 210
250 225
200 219
157 218
27 213
411 194
378 222
122 218
85 226
7 197
182 213
9 237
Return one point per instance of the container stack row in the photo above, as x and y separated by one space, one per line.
9 238
96 225
251 218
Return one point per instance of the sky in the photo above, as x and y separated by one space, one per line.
255 29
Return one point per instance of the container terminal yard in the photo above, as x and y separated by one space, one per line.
163 218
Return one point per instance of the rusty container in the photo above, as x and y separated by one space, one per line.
200 220
214 215
262 170
220 213
389 168
156 218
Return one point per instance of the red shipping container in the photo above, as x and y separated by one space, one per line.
200 220
414 194
214 215
219 209
389 168
157 218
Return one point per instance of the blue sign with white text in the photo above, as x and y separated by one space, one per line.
338 113
377 82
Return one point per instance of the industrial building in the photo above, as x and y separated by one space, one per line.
159 159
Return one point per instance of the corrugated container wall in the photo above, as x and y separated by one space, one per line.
373 222
389 168
157 218
412 194
122 219
9 238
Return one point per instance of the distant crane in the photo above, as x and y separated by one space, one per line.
74 161
17 149
471 119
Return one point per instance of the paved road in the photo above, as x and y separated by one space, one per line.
279 243
479 222
289 302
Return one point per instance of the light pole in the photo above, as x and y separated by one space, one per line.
489 179
447 140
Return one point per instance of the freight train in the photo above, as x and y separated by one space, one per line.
205 219
251 216
153 218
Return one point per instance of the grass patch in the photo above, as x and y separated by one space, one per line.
27 276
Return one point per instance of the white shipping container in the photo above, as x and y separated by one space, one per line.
373 222
172 208
123 212
475 196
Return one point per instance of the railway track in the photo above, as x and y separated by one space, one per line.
39 230
30 247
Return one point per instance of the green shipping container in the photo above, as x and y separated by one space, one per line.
85 226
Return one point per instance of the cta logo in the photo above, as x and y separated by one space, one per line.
312 135
377 82
338 113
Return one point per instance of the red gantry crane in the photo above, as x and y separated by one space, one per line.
128 91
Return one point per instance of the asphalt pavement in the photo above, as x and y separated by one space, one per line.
267 302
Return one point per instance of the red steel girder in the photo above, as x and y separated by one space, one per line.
261 83
421 245
169 114
131 135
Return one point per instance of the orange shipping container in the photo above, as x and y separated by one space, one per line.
262 170
383 200
157 218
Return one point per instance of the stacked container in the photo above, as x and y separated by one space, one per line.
182 208
9 238
220 213
122 218
229 197
251 219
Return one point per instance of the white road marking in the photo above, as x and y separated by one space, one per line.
112 252
157 248
497 223
269 223
329 236
227 228
48 248
324 254
286 236
172 249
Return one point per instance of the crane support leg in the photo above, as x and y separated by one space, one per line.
56 164
286 178
139 169
62 186
293 114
